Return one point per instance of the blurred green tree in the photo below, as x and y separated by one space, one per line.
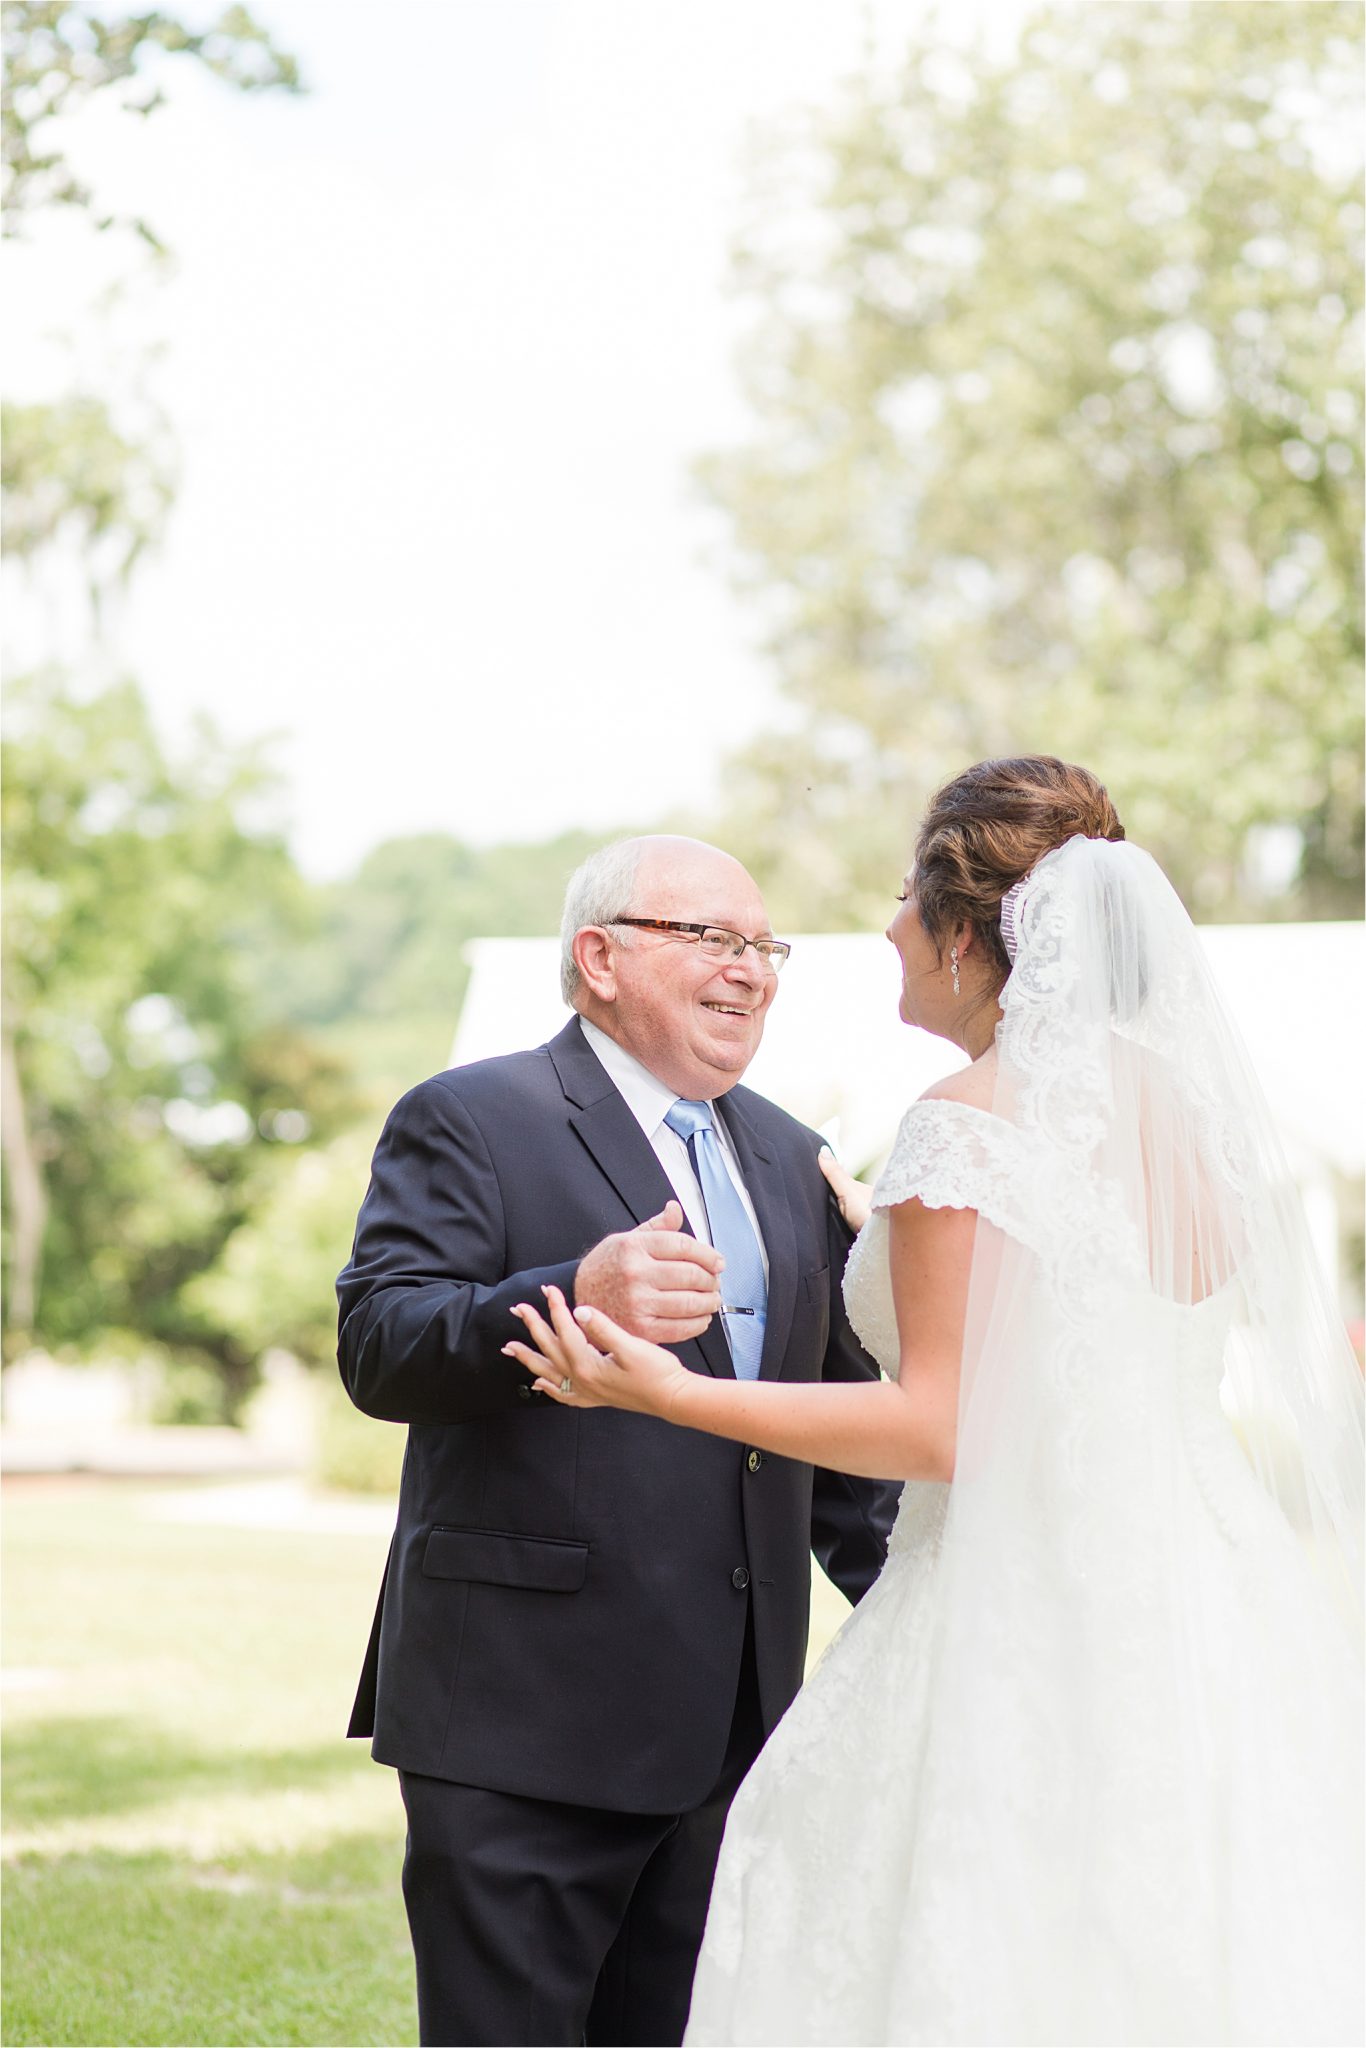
76 473
60 54
73 478
147 1086
272 1283
391 935
149 1089
1054 368
189 1025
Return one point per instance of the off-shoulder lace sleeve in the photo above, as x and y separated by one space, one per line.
951 1156
948 1156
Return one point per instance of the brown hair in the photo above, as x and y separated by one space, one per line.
986 829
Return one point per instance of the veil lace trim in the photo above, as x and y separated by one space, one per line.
1154 1153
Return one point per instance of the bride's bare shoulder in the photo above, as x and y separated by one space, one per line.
974 1085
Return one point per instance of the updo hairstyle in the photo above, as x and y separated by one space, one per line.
987 828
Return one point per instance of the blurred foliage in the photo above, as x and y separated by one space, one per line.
150 1094
70 474
190 1393
148 1089
390 936
59 54
354 1452
381 979
272 1283
185 1149
77 476
1054 364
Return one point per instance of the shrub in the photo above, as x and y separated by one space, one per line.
355 1454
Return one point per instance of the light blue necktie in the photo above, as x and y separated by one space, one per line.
742 1284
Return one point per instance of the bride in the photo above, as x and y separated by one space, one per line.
1085 1765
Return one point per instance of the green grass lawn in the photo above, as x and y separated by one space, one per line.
193 1853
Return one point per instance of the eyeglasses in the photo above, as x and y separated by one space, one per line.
715 941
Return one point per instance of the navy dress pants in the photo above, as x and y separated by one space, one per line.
539 1923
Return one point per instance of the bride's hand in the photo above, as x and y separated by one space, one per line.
855 1200
626 1372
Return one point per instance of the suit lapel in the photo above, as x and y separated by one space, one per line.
609 1132
624 1154
768 1191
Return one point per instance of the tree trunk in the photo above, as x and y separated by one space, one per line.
27 1198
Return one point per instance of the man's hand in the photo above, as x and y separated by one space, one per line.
654 1281
570 1371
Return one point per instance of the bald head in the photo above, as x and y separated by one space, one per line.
668 859
610 881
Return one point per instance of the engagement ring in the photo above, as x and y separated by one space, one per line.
566 1385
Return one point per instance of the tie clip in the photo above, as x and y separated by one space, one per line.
726 1310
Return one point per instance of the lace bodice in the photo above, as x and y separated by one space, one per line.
949 1156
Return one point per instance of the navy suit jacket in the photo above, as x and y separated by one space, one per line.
563 1611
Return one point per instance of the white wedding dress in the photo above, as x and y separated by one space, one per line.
1085 1764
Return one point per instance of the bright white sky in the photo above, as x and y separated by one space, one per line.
442 341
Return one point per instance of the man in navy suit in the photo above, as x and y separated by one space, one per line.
590 1621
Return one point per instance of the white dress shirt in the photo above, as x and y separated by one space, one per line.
649 1100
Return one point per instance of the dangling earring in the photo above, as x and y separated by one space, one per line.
953 963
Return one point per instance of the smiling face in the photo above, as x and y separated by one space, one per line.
694 1024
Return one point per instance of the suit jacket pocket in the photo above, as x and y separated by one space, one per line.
816 1286
489 1557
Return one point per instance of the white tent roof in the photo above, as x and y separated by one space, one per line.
836 1054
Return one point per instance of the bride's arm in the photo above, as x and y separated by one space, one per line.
892 1429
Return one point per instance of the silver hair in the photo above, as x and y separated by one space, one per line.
599 890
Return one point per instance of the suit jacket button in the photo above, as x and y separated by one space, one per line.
523 1393
739 1578
755 1460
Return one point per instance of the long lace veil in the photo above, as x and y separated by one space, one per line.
1152 1331
1165 1184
